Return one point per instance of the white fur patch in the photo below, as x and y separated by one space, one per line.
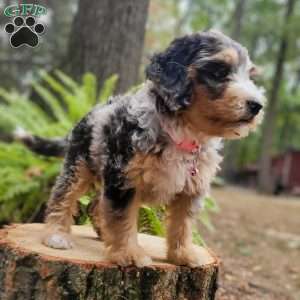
58 241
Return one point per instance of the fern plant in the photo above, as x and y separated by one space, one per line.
26 178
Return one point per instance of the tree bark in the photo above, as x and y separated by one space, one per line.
107 38
29 270
266 183
238 18
288 124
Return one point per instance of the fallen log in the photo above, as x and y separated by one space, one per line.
31 271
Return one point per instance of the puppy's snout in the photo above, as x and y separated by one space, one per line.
254 107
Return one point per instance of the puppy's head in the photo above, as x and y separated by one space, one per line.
207 78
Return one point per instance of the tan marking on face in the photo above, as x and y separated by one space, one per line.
211 115
228 55
220 117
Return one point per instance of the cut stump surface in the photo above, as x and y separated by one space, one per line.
31 271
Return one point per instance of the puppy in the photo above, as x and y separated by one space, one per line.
159 145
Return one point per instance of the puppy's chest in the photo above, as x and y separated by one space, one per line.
160 178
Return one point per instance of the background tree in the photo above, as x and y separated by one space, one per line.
265 178
107 38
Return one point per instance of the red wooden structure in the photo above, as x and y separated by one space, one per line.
286 171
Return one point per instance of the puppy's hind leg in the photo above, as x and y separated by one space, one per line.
72 183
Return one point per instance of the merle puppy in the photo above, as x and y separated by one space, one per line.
159 146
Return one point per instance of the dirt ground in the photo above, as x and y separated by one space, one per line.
258 241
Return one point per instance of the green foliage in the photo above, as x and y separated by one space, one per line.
108 86
150 220
209 206
26 178
24 181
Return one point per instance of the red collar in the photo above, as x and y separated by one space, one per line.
190 146
187 145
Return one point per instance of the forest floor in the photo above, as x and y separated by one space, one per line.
257 239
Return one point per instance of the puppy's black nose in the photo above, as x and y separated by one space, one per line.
254 107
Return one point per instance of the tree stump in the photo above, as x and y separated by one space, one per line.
31 271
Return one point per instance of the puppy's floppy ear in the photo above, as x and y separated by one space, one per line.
169 73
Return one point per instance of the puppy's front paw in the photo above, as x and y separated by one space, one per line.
185 256
130 256
58 240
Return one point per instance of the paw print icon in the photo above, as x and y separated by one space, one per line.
24 31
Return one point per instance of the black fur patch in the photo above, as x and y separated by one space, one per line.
46 147
119 151
79 146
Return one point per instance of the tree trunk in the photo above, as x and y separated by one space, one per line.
107 38
238 17
288 124
29 270
266 182
232 147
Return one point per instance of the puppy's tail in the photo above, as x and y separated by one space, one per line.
46 147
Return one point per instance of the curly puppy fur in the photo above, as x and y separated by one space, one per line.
200 88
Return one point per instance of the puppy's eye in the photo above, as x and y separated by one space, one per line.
222 72
214 70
